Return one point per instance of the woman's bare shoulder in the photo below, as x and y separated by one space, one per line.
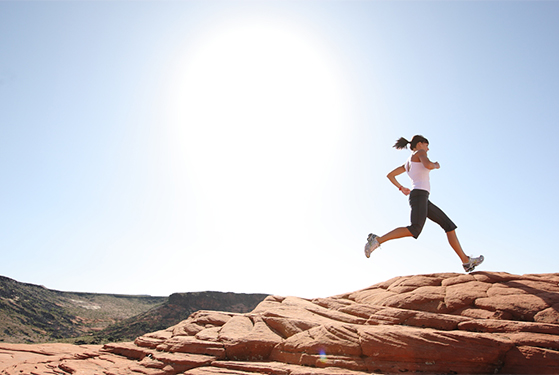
416 156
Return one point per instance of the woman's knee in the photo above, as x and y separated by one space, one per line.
415 230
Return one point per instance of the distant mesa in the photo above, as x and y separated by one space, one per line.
479 323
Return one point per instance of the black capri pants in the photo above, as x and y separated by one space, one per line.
421 209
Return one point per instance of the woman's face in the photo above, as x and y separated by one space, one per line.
422 146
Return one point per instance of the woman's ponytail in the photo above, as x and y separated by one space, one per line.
401 143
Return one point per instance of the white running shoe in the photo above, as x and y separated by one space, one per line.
473 263
371 245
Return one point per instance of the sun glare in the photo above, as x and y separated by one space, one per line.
258 112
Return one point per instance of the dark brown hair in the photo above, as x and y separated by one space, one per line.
403 142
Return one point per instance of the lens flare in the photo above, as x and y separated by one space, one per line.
322 355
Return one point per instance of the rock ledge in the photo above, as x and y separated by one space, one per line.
477 323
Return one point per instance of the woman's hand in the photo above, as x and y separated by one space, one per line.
405 190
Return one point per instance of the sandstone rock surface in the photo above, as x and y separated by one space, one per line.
483 322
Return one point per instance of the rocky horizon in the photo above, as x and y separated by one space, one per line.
478 323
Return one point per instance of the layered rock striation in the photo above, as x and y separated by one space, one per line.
481 323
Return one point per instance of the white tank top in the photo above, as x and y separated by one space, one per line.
419 175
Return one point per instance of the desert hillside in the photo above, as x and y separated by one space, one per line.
477 323
34 314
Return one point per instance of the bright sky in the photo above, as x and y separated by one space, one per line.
160 147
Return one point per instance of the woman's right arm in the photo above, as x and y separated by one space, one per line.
425 160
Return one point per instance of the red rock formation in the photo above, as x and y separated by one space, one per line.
441 323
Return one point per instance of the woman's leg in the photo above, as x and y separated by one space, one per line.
419 208
418 200
419 204
455 244
396 233
438 216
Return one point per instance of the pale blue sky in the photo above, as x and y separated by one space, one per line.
175 146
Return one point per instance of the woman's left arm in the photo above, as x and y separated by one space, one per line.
392 177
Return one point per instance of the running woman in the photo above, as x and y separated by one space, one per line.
418 167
